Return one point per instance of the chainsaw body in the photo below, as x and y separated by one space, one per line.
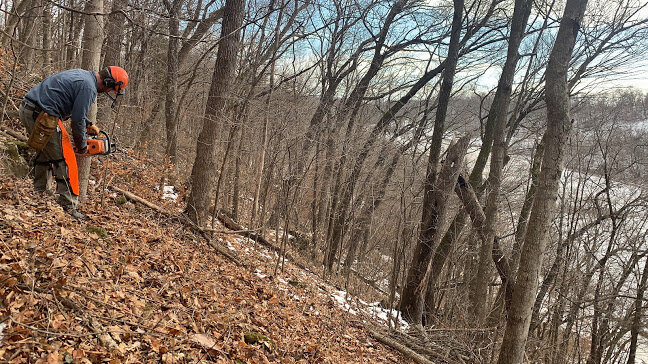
100 144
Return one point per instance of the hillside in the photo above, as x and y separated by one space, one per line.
132 285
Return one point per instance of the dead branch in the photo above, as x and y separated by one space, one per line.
13 134
411 354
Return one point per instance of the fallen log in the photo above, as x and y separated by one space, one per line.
411 354
233 225
252 234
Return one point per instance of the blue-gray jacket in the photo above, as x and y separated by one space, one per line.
68 94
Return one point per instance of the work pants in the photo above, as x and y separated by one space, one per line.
50 162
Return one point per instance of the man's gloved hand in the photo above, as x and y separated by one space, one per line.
92 130
82 151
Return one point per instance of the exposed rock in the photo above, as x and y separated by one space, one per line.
14 157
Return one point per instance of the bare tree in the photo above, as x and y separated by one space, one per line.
558 127
203 168
412 303
92 41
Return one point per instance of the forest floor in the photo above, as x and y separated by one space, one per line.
129 285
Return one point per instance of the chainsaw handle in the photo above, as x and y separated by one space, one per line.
108 144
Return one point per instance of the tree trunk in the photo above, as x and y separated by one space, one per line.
264 135
46 13
27 35
430 228
17 12
114 34
92 41
236 192
498 113
410 306
558 128
171 84
114 31
202 173
523 219
74 35
636 327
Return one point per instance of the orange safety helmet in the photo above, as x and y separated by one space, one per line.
117 79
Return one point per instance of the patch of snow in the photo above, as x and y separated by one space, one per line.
264 253
296 297
230 246
259 274
3 326
640 126
340 297
374 310
168 193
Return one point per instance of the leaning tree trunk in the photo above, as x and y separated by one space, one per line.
27 37
430 229
558 128
18 10
410 305
498 113
92 41
202 173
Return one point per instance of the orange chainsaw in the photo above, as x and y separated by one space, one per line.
100 144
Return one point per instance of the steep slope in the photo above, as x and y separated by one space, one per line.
132 285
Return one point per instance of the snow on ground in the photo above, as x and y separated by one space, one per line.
259 274
639 127
3 326
271 233
372 311
168 193
230 246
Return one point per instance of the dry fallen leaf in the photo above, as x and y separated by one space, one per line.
78 353
53 358
203 340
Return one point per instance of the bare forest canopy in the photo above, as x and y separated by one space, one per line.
474 164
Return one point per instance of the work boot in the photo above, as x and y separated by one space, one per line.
69 207
76 214
46 192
